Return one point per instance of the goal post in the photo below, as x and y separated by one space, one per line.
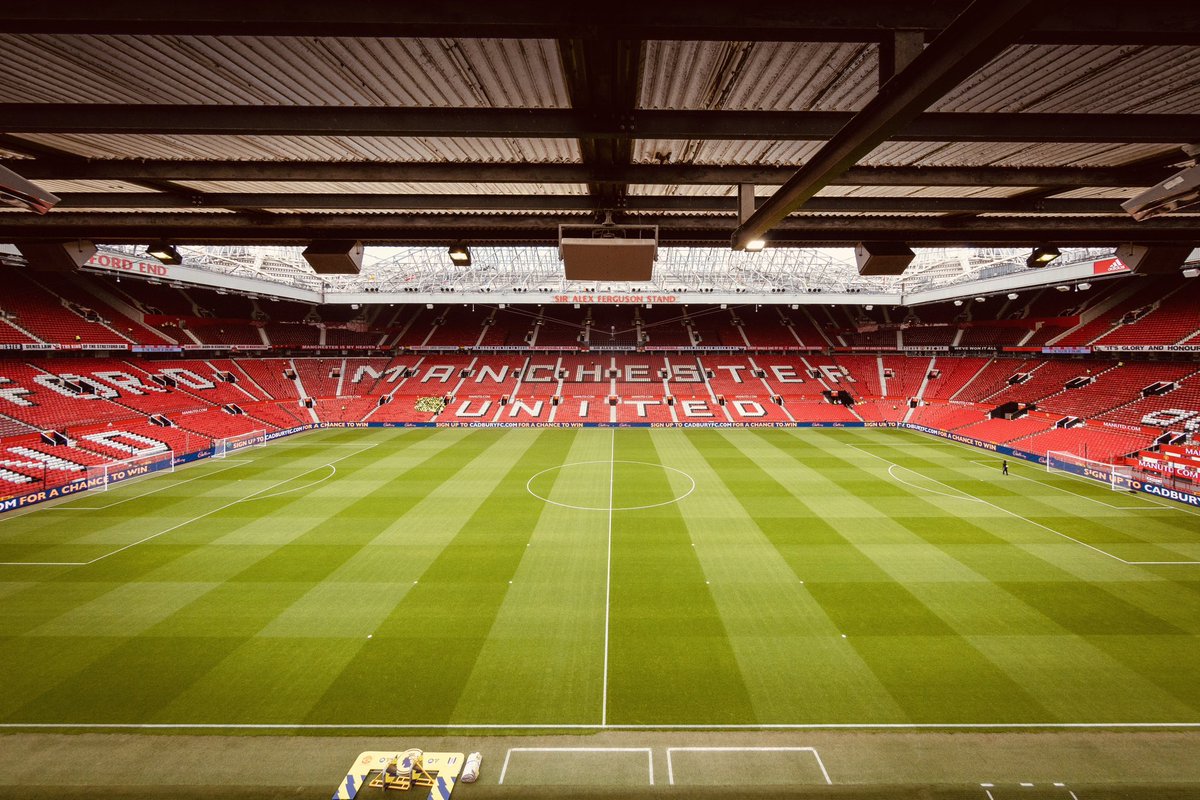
1119 478
229 444
99 476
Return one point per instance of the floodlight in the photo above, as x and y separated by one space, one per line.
1041 256
164 252
460 254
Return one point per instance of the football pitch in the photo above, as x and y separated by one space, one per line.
582 579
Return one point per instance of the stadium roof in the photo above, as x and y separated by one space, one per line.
415 124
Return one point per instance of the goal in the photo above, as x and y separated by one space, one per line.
222 447
1118 478
99 476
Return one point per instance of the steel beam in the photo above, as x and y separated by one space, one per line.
655 174
568 202
981 32
1067 22
87 118
444 228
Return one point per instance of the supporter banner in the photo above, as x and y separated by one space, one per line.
156 348
38 346
10 347
860 348
1070 351
1107 266
1147 348
930 349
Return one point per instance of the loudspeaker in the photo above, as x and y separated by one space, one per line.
335 257
882 258
57 256
1156 259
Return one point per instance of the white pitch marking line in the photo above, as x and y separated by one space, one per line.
609 508
507 756
186 522
961 496
332 472
612 469
988 792
780 726
1036 524
813 750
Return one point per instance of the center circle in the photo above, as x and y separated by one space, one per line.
601 475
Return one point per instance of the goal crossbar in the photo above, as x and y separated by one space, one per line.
1116 476
229 444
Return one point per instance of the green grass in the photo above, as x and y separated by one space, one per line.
804 577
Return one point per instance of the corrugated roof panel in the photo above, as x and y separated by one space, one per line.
102 211
1102 193
374 212
1010 154
236 70
57 187
314 187
685 151
1078 79
776 76
917 191
312 148
685 190
1084 155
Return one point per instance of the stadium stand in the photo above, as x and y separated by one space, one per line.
1105 404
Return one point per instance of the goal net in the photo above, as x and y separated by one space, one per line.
99 476
222 447
1117 477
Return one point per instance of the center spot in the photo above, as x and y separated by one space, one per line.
631 485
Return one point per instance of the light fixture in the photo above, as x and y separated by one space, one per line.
958 302
1083 287
1013 295
1191 272
1041 256
460 254
164 252
980 299
1063 288
869 308
755 245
